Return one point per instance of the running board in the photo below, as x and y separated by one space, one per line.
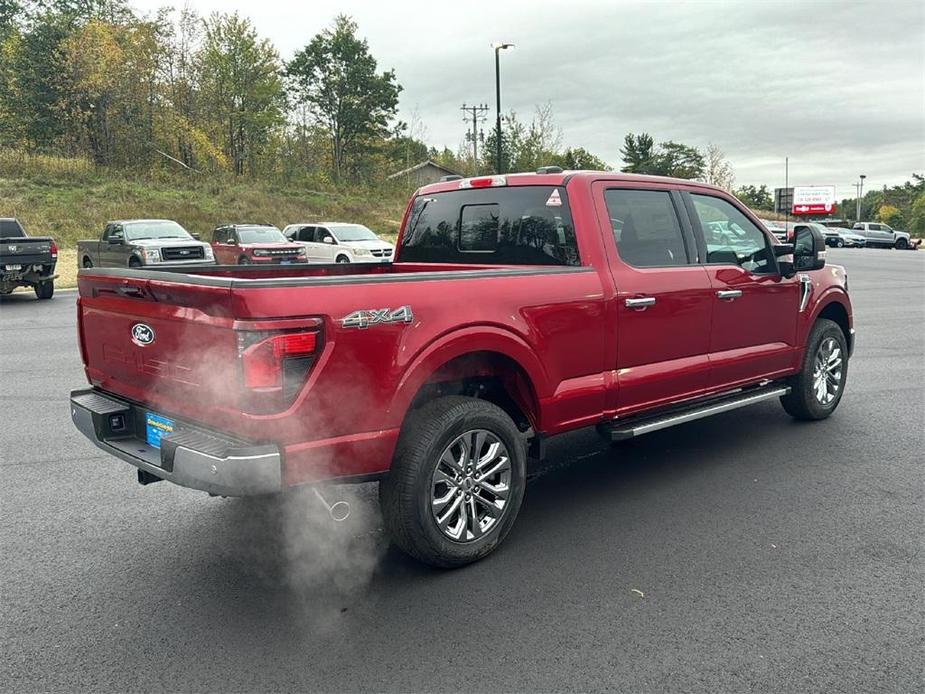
637 426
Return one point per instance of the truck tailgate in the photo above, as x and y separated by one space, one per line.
169 346
25 251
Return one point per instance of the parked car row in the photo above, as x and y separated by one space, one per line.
137 243
862 234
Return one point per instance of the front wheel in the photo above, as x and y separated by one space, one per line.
817 389
244 260
343 259
457 481
45 290
902 244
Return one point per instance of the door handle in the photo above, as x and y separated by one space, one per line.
729 294
641 303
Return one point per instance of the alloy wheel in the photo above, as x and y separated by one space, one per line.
471 485
827 371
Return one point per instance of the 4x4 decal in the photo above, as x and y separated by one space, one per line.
375 316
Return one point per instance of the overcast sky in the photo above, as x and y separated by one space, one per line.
836 86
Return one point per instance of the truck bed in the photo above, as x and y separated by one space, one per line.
308 274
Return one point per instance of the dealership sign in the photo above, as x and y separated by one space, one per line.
813 200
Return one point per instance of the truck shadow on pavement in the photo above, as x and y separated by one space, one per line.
589 503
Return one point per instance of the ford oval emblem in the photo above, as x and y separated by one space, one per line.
142 334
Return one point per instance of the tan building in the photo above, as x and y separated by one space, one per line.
422 174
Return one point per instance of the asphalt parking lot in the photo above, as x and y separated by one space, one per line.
746 552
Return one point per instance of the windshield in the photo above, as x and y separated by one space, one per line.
159 229
353 232
261 235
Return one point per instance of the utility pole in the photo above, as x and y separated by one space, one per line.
787 186
475 114
498 48
860 195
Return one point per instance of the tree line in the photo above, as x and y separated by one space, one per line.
177 91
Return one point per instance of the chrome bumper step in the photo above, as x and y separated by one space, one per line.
620 430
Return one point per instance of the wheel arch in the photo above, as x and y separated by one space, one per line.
488 363
835 311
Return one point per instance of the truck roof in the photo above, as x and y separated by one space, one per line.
560 179
137 221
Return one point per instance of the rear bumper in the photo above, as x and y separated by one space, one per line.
190 457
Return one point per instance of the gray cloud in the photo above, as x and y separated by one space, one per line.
836 86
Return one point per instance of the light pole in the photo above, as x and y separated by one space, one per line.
857 211
498 48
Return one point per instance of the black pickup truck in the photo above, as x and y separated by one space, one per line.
26 261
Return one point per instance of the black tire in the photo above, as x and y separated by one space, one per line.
87 263
901 244
802 402
405 495
44 290
134 263
342 259
244 260
839 243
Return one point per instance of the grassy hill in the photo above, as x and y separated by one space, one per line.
70 200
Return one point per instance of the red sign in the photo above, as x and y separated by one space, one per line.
813 209
813 200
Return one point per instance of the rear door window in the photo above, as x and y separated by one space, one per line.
646 228
523 225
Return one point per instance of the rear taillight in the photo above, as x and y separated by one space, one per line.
264 363
54 250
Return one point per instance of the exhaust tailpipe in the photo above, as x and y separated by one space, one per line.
339 510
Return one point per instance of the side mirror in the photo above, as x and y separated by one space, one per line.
328 240
195 236
809 250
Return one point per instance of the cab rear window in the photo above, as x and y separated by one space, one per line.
526 225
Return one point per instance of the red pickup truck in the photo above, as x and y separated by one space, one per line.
518 307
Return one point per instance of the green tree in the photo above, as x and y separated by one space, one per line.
10 11
638 151
335 79
575 158
755 197
38 65
917 216
241 82
678 160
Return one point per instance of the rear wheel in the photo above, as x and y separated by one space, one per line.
457 481
343 259
817 389
45 290
87 263
839 243
902 244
